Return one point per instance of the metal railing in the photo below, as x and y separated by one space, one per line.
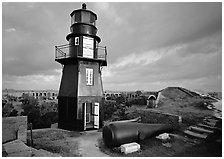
101 52
62 51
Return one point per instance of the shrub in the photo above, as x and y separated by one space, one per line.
108 109
141 100
29 103
41 116
120 99
43 122
14 113
7 109
51 116
47 107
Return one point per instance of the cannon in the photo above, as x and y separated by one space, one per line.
116 134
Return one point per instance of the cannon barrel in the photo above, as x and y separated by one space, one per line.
116 134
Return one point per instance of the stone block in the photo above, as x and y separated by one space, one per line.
14 128
163 136
17 148
130 147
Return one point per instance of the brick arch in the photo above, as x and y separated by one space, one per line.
152 97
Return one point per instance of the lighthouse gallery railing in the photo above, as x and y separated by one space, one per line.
62 51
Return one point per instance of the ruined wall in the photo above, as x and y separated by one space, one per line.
156 117
14 128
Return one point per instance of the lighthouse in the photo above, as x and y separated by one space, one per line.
80 96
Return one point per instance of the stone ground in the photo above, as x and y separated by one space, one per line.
89 146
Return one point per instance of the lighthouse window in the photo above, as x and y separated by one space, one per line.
76 40
88 47
85 17
92 19
76 18
89 76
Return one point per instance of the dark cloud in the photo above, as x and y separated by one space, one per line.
156 25
207 45
31 30
24 55
173 69
30 48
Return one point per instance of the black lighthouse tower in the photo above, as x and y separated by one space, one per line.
81 90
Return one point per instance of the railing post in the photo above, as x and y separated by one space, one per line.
31 133
105 53
55 52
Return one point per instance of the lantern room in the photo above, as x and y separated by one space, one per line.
83 41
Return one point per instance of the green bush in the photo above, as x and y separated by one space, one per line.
29 104
108 109
113 110
14 113
40 115
51 116
7 109
141 100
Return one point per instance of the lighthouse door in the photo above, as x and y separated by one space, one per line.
88 118
91 115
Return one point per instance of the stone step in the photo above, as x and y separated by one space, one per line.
211 120
210 123
200 129
43 153
17 148
217 115
207 126
196 135
210 117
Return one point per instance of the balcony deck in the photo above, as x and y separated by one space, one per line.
62 55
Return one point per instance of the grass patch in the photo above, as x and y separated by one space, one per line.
192 112
55 141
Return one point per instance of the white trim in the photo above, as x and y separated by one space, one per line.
96 115
152 96
84 111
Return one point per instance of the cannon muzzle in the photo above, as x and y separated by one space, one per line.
116 134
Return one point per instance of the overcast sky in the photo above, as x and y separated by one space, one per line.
150 45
